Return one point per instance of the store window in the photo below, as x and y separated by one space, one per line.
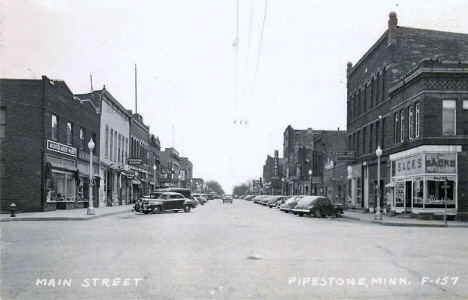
436 194
418 193
416 107
448 117
69 133
82 139
400 194
61 187
358 191
55 128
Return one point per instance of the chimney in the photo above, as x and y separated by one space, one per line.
392 26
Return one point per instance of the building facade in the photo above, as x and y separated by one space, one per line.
114 131
186 172
406 96
138 160
44 145
154 148
170 168
273 175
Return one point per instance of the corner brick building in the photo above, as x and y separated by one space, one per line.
44 146
409 95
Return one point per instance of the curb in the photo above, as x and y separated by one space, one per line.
383 223
86 218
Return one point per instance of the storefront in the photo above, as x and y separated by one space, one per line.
424 179
354 193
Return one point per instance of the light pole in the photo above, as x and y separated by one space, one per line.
91 175
154 175
282 186
310 175
378 152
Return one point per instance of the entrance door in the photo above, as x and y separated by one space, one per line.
408 194
366 188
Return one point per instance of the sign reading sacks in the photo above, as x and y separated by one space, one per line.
426 163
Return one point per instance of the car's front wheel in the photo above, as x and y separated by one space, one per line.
187 208
300 214
156 210
338 213
318 214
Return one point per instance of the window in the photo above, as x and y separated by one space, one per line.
364 100
120 143
69 133
383 85
377 93
111 143
465 117
107 141
2 123
377 134
298 137
364 135
448 117
358 148
54 127
82 138
410 122
417 119
115 146
126 150
372 93
402 121
396 129
384 124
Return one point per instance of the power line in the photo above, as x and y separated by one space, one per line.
248 50
259 49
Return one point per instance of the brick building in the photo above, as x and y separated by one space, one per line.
272 175
408 95
44 146
186 172
170 167
139 157
154 148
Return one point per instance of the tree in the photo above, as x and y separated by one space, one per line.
215 186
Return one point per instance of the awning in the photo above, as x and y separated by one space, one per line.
391 184
136 182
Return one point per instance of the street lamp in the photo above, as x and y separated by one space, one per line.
378 152
154 175
91 175
310 175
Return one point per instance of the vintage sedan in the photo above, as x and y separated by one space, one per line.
291 203
318 206
227 199
275 200
167 201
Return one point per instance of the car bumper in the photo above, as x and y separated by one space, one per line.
298 210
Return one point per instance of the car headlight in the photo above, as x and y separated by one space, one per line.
309 207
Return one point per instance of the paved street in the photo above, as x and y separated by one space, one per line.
236 251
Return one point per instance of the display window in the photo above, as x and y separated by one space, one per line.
61 187
436 194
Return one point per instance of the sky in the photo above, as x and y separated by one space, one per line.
203 66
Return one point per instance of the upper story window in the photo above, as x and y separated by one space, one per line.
55 128
69 133
402 121
465 117
106 142
416 108
298 137
82 138
111 142
115 146
2 123
396 131
448 117
410 122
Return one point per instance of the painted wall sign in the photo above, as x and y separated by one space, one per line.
61 148
410 165
441 163
135 161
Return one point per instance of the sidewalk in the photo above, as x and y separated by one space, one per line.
388 220
79 214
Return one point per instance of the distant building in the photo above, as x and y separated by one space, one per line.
170 168
186 172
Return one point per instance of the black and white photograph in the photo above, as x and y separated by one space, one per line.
233 149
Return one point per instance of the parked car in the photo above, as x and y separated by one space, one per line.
318 206
227 199
257 198
249 197
201 198
264 200
291 203
274 200
167 201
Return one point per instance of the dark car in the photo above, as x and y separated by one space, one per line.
227 199
291 203
274 200
167 201
318 206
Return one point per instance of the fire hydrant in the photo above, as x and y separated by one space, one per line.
13 210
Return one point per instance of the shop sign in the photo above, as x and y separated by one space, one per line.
61 148
135 161
410 165
441 163
85 156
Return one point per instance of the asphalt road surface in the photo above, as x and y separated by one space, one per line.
236 251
